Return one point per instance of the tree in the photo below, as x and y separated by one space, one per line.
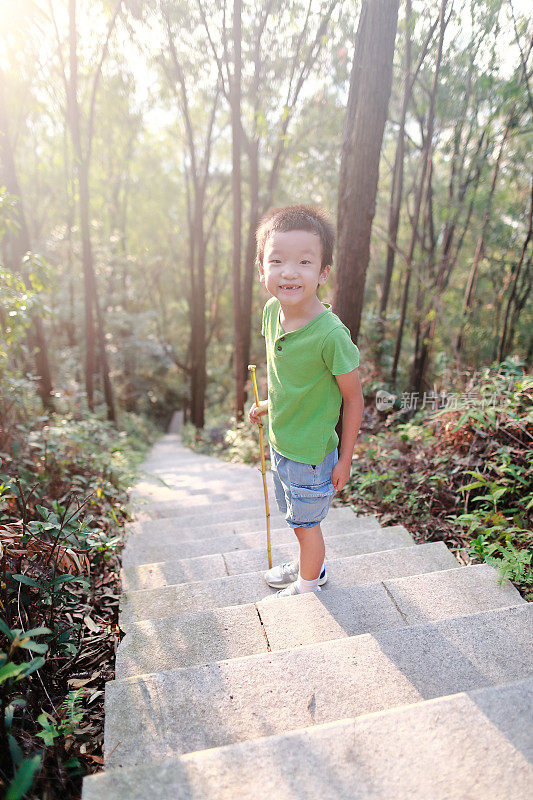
424 185
366 113
396 193
82 158
505 338
19 245
236 191
198 175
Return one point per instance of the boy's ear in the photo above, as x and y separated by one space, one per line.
324 275
261 272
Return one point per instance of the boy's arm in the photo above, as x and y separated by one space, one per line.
257 411
352 395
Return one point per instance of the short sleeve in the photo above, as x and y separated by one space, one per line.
265 319
340 354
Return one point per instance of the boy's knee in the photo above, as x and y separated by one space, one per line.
309 533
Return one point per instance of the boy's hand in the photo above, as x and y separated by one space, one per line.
341 474
258 411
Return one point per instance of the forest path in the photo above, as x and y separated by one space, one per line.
408 676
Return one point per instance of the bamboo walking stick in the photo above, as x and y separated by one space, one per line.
251 368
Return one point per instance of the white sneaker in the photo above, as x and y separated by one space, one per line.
292 589
285 574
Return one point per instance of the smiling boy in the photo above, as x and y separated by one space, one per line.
312 366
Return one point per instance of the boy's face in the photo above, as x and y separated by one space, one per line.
291 267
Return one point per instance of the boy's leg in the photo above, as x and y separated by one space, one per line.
312 552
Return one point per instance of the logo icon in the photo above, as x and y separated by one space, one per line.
384 400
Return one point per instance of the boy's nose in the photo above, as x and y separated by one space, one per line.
288 269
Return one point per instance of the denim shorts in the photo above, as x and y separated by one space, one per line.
303 491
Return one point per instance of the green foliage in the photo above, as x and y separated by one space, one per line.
66 481
226 438
24 777
14 668
72 714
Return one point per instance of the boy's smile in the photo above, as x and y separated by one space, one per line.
291 269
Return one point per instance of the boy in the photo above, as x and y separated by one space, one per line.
312 364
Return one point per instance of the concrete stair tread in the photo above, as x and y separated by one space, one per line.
285 623
440 749
229 560
173 544
194 708
250 587
238 520
199 508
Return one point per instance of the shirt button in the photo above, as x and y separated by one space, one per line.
280 347
282 338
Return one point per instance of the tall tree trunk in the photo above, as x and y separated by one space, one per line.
366 113
19 245
83 187
249 259
426 155
199 359
236 146
521 299
82 169
480 246
195 365
396 189
512 293
425 321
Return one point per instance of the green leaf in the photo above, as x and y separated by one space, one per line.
10 670
65 579
37 631
474 485
5 629
17 702
50 731
35 647
34 664
16 752
29 582
23 779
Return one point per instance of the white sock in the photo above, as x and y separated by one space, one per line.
304 586
297 563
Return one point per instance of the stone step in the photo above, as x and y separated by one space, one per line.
156 494
235 562
176 456
285 623
208 506
476 744
181 474
143 553
195 708
204 513
238 520
173 545
169 601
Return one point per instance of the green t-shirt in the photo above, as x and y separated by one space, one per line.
304 398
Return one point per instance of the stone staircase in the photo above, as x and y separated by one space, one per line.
408 676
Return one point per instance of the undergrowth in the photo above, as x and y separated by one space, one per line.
63 502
